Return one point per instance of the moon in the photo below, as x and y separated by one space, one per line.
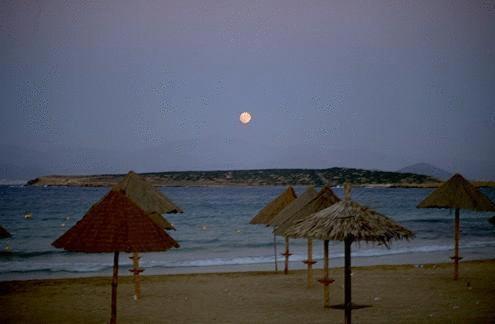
245 117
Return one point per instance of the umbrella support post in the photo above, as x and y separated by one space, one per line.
286 254
137 278
309 262
115 278
275 251
457 236
347 281
326 281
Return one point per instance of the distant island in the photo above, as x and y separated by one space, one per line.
263 177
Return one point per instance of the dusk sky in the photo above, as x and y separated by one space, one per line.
104 87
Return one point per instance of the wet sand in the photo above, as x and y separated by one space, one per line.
397 294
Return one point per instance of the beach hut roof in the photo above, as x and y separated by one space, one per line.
294 206
274 207
348 219
4 233
115 224
144 195
325 198
457 192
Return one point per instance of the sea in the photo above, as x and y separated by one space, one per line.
215 235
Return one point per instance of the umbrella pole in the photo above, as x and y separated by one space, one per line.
137 278
275 251
457 235
115 278
286 254
309 262
326 281
347 281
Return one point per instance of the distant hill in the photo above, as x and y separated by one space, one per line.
261 177
427 169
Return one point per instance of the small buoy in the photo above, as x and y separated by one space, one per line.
62 225
237 230
7 248
204 227
28 215
67 218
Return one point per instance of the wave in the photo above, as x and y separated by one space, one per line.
26 266
32 254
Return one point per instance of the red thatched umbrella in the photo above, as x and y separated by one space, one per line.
457 193
115 224
271 210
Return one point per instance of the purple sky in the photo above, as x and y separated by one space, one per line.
92 87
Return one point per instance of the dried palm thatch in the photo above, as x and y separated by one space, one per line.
115 224
348 219
4 233
154 203
144 195
457 193
274 207
271 210
323 199
294 206
287 212
161 221
349 222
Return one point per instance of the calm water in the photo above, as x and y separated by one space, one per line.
214 231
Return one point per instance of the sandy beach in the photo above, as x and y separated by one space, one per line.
398 294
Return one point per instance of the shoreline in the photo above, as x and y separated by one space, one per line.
396 293
409 259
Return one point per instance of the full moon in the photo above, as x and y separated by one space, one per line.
245 117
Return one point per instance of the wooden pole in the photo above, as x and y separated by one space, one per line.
275 251
347 281
286 254
326 281
457 235
310 263
136 271
115 278
326 289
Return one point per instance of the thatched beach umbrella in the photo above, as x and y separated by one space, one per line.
457 193
271 210
4 233
115 224
142 193
325 198
349 222
287 212
154 203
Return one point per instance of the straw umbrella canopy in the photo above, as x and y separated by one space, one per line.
115 224
154 203
323 199
271 210
349 222
457 193
287 212
142 193
4 233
